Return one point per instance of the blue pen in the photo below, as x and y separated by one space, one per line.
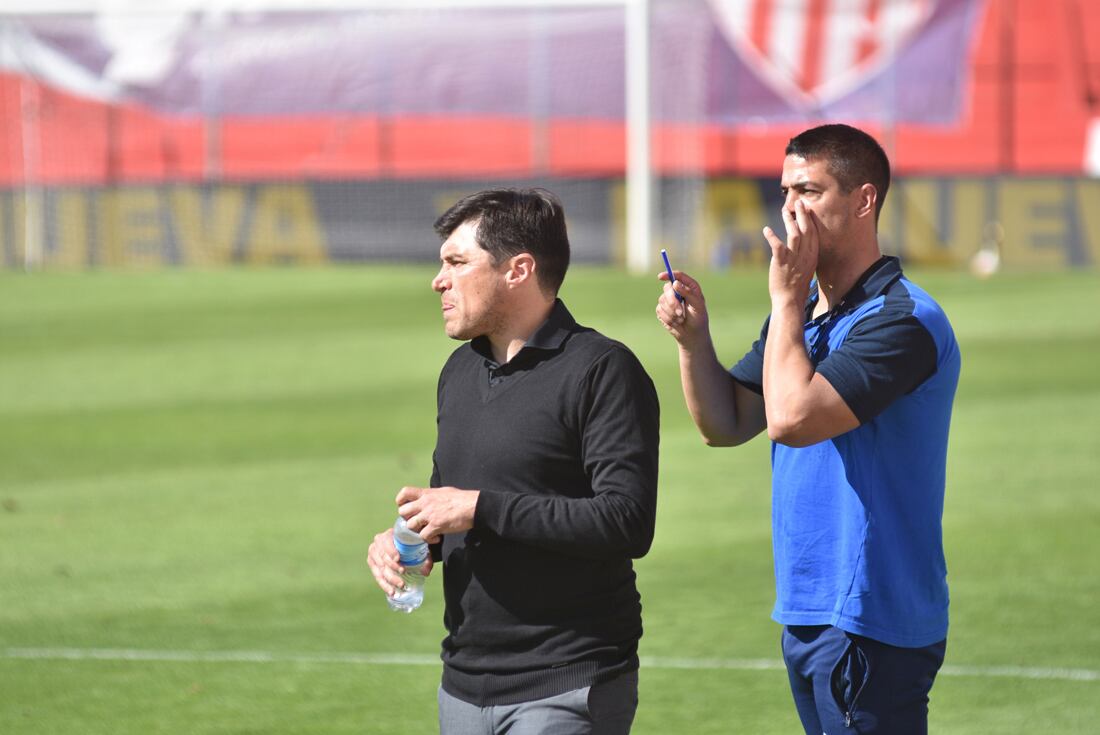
671 278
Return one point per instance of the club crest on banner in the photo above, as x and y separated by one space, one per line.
813 52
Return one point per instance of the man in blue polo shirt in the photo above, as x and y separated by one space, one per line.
853 377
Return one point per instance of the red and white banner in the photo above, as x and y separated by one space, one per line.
815 51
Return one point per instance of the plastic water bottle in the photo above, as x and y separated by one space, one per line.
414 553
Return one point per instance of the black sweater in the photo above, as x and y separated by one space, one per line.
562 443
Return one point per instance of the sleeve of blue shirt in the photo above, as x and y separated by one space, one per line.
885 355
749 371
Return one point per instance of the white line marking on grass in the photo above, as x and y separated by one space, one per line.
412 659
262 657
1022 672
736 664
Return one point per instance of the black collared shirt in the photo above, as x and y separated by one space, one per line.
562 442
546 340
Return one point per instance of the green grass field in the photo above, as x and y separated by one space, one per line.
192 465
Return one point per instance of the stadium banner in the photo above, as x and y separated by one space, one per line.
1033 223
713 60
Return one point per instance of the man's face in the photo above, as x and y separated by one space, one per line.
810 181
470 287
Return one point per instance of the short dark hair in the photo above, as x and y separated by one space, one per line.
514 221
854 157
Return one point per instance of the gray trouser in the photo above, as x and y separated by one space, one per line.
602 709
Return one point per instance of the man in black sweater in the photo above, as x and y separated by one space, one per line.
544 485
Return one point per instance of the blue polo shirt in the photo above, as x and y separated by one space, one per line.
857 519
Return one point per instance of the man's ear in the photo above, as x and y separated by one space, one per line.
521 268
868 198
